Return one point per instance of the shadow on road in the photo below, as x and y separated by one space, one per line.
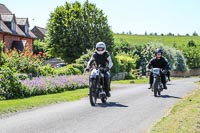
111 104
168 96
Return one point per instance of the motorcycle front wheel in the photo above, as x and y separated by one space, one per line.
92 92
155 88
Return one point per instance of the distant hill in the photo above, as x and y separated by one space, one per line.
166 40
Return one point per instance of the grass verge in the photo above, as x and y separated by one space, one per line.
11 106
184 117
136 81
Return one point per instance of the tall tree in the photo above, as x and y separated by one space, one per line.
73 28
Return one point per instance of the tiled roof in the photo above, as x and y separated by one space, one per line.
30 34
42 30
7 17
4 9
4 28
22 21
19 31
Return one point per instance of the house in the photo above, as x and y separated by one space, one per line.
39 32
14 32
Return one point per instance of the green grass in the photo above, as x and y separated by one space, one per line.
183 118
166 40
136 81
10 106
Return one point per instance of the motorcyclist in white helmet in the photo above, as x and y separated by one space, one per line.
103 58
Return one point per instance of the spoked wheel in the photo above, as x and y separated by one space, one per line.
93 94
155 87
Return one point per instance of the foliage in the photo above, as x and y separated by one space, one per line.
195 34
49 85
126 62
181 61
191 52
2 57
22 76
24 62
10 86
122 45
83 59
175 57
136 40
46 70
77 66
38 46
73 28
67 70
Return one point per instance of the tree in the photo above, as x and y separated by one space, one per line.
145 33
191 43
155 34
73 28
187 34
195 34
38 46
169 34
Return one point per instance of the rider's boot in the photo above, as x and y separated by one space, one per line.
107 87
150 86
108 94
165 86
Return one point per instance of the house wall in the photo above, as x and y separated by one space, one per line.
1 37
8 39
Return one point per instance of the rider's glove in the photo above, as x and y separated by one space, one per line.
106 69
164 71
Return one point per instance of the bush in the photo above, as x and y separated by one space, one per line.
22 76
78 66
56 84
24 62
191 52
67 70
10 85
174 57
85 58
116 65
2 56
46 70
127 63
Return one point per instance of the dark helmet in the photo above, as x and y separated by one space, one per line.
158 50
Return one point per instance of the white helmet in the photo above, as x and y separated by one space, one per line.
100 45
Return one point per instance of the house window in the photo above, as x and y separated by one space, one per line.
26 28
13 25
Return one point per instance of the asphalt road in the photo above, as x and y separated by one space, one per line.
131 109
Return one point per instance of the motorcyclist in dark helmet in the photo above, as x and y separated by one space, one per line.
158 62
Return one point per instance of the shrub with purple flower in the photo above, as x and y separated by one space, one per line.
48 85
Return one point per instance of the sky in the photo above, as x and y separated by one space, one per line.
137 16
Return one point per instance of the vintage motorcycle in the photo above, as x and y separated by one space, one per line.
157 85
97 85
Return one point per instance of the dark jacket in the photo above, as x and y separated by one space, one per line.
158 63
104 60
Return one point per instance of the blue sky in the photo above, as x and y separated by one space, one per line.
137 16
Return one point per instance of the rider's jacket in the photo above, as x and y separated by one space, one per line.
158 63
104 60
